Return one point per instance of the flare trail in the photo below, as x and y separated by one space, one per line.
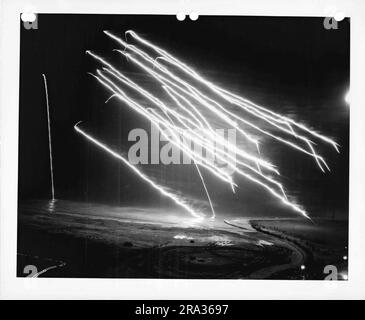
187 105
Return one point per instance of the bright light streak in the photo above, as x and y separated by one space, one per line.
163 191
157 120
49 136
185 113
238 100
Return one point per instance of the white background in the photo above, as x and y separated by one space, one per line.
42 288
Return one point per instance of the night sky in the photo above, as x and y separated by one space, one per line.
293 66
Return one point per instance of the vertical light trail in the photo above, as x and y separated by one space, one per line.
49 135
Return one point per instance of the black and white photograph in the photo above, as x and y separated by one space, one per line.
215 148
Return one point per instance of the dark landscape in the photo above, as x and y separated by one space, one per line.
96 241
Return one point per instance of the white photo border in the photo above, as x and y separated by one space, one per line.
12 287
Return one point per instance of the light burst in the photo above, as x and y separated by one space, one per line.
191 97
